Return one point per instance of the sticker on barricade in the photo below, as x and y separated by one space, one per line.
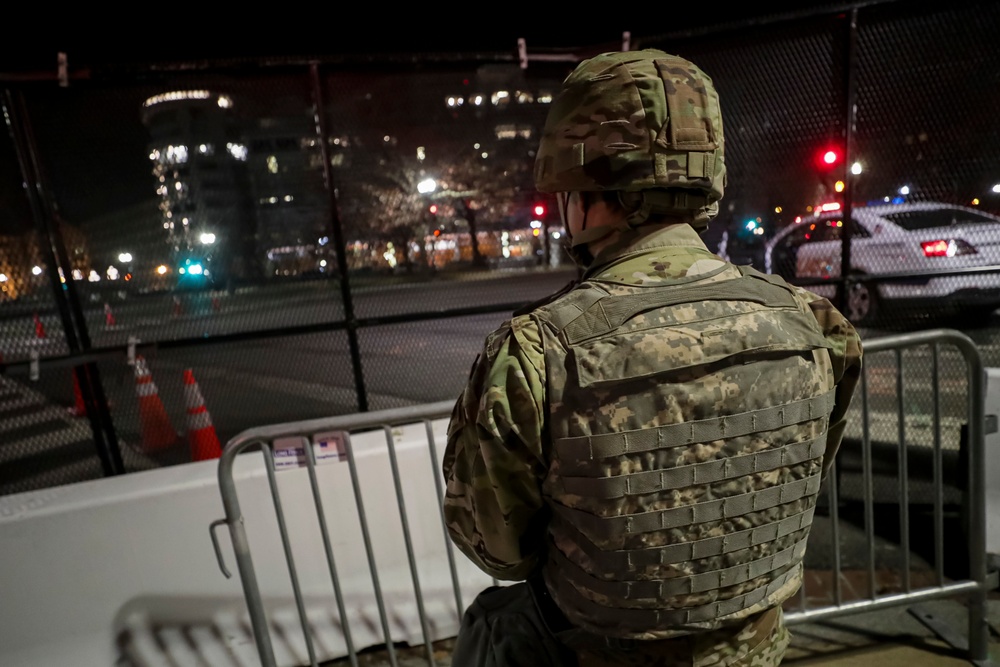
327 447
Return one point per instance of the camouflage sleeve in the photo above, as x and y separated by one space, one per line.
846 355
494 462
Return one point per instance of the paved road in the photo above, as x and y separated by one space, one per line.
270 380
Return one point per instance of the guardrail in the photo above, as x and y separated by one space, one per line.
315 441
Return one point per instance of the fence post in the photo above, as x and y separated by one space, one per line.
338 238
58 265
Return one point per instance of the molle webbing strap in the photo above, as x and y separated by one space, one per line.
598 614
605 445
574 304
630 560
687 515
610 312
696 474
701 582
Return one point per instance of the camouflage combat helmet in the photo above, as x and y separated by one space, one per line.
644 123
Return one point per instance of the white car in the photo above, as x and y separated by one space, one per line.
920 239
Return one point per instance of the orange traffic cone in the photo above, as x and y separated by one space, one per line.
157 432
79 408
201 434
39 328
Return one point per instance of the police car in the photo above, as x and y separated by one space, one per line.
918 239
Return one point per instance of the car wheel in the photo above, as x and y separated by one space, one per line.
862 304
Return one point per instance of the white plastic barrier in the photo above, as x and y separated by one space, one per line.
121 571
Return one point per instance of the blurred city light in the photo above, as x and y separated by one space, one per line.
856 168
905 190
125 257
36 270
426 186
208 238
162 269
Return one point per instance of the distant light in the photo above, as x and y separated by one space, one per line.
759 231
125 257
975 201
238 151
94 277
77 274
751 224
421 153
322 262
196 269
996 188
830 157
433 208
182 270
179 95
36 270
224 102
856 168
830 206
208 238
897 200
485 155
477 100
3 277
324 240
162 269
905 190
535 232
777 209
112 273
839 186
535 224
556 235
426 186
539 210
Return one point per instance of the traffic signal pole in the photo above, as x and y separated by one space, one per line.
850 111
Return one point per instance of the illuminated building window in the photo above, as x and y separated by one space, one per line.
238 151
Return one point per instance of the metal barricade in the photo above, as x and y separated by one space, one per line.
974 588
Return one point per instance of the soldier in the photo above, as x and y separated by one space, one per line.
644 449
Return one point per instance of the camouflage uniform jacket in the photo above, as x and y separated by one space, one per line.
538 476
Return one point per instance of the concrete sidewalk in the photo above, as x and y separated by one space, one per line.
890 637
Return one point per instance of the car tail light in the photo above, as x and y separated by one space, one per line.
947 248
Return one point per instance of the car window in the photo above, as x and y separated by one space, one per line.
938 217
823 230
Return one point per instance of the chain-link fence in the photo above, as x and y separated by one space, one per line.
321 237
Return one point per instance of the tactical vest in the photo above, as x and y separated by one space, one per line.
688 424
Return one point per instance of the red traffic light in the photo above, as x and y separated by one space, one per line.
828 157
539 210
